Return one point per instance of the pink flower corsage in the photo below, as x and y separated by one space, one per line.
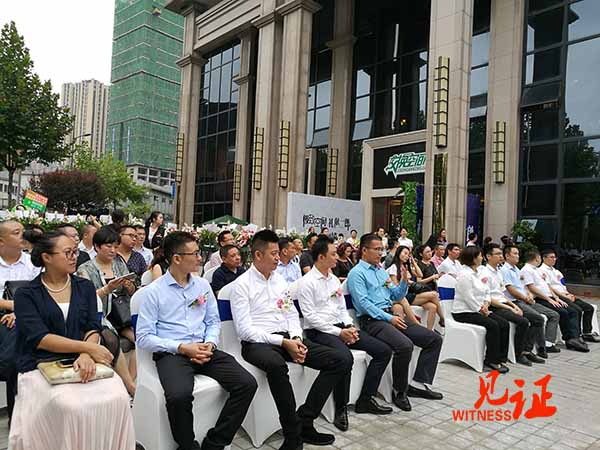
201 300
484 280
387 284
284 303
337 293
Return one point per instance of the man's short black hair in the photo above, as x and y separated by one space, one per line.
284 242
309 236
365 241
222 234
320 247
451 247
507 248
468 255
105 235
174 242
223 251
139 227
547 252
489 249
353 230
531 255
62 226
262 239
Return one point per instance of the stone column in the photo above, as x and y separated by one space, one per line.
189 109
450 36
297 31
342 47
506 61
267 111
243 137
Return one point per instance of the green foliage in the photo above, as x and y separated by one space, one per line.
138 209
119 188
409 210
32 125
525 238
71 190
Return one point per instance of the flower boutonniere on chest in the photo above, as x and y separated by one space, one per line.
335 294
284 303
199 301
484 280
387 283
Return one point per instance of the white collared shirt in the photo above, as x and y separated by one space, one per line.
406 242
493 278
450 267
532 275
90 251
322 302
214 261
23 269
146 253
261 307
553 277
471 292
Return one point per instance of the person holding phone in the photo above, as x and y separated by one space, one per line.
106 272
58 320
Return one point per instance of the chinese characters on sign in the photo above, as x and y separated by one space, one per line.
309 220
513 403
403 163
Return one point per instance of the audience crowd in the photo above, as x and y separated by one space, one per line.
72 307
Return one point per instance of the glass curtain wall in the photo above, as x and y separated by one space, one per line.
319 92
390 75
480 61
560 132
216 134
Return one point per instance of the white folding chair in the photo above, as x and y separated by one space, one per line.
150 417
3 403
146 278
208 275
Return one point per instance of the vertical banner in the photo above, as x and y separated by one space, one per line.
473 205
419 204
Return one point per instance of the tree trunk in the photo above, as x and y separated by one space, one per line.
11 175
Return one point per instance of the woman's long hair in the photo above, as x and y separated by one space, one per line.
153 216
398 263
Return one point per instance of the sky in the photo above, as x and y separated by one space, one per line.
68 40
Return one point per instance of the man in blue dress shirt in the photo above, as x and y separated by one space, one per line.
380 307
179 322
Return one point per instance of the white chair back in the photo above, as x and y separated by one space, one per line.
146 278
209 274
345 289
447 281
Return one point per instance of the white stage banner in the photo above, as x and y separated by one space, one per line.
339 215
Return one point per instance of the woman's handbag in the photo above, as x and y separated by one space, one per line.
62 372
120 313
418 288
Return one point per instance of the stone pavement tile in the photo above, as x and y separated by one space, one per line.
243 442
459 441
534 441
494 444
506 438
473 434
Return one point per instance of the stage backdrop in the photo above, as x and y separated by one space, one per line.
339 215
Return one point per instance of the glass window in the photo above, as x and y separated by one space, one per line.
322 118
539 200
540 162
542 65
311 97
584 19
538 95
479 81
310 128
414 67
321 138
581 228
324 93
480 50
476 168
535 5
545 29
540 125
477 132
582 86
362 130
363 82
362 108
582 159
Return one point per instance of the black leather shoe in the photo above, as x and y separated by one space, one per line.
591 337
423 393
368 405
292 444
195 446
535 358
574 344
341 419
402 402
542 353
495 366
523 359
313 437
552 349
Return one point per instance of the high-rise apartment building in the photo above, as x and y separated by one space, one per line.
88 103
144 99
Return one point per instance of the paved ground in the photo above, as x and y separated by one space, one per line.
575 388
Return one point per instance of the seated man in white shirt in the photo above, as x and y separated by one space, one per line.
287 267
327 322
268 325
15 265
554 278
404 239
527 333
224 238
179 322
451 265
86 244
569 323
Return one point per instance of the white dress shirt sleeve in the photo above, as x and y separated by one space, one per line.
307 298
527 276
242 319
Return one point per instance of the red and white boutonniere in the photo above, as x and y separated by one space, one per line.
484 280
544 276
387 284
335 294
201 300
284 303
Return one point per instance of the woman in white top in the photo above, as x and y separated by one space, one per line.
470 305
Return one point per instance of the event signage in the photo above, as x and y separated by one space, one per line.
339 215
34 200
403 163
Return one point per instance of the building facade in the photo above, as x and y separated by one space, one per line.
485 104
87 101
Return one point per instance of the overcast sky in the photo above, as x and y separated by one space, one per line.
69 40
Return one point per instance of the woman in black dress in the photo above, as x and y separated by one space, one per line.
344 263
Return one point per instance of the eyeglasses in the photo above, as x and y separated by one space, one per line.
196 254
69 253
131 235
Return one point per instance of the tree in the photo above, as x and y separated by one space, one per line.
409 210
118 186
32 125
71 189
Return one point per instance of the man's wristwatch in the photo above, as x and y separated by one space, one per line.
297 338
